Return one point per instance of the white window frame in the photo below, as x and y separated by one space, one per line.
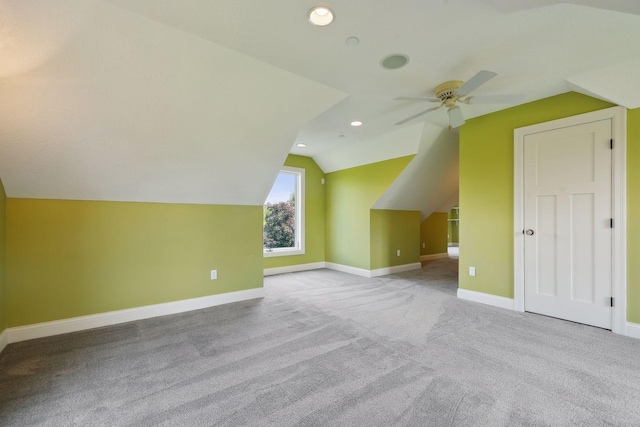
298 249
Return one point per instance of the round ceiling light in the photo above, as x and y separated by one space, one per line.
301 144
395 61
321 16
356 123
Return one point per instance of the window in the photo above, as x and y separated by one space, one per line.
283 215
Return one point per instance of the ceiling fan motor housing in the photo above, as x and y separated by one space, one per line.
448 89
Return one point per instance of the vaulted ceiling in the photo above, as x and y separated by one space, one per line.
196 101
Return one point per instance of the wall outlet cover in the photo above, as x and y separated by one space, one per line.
214 274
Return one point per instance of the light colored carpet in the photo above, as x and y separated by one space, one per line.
328 348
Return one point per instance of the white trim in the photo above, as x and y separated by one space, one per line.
294 268
633 330
619 245
275 252
74 324
618 116
395 269
518 220
434 256
348 269
373 273
4 340
488 299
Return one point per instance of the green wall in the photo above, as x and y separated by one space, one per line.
633 215
314 211
3 260
433 234
350 194
392 231
486 188
74 258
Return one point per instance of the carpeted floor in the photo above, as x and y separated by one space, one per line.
328 348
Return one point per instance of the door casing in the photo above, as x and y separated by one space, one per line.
618 116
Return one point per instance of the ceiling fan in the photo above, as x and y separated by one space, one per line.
450 94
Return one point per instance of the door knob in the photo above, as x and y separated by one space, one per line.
529 232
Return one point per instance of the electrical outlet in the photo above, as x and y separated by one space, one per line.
398 252
423 246
214 274
472 271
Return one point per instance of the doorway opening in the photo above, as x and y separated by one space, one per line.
453 232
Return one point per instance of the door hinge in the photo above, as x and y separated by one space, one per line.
611 223
611 301
612 144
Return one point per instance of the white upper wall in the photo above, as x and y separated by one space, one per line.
128 109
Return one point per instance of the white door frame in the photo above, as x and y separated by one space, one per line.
618 116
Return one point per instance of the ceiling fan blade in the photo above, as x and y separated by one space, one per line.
494 99
475 82
455 117
401 122
417 98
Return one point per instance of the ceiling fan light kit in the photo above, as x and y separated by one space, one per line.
453 92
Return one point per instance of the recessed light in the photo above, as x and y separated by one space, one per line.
352 41
321 16
301 144
395 61
356 123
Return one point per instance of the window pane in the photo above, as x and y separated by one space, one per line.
280 213
283 189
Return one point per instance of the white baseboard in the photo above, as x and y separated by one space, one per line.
633 330
373 273
434 256
4 340
74 324
395 269
348 269
294 268
488 299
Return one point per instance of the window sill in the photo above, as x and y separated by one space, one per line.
283 252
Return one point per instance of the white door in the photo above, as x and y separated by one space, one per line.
567 217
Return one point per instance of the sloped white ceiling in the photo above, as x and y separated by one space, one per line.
626 6
400 142
108 105
533 45
429 183
197 101
618 83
